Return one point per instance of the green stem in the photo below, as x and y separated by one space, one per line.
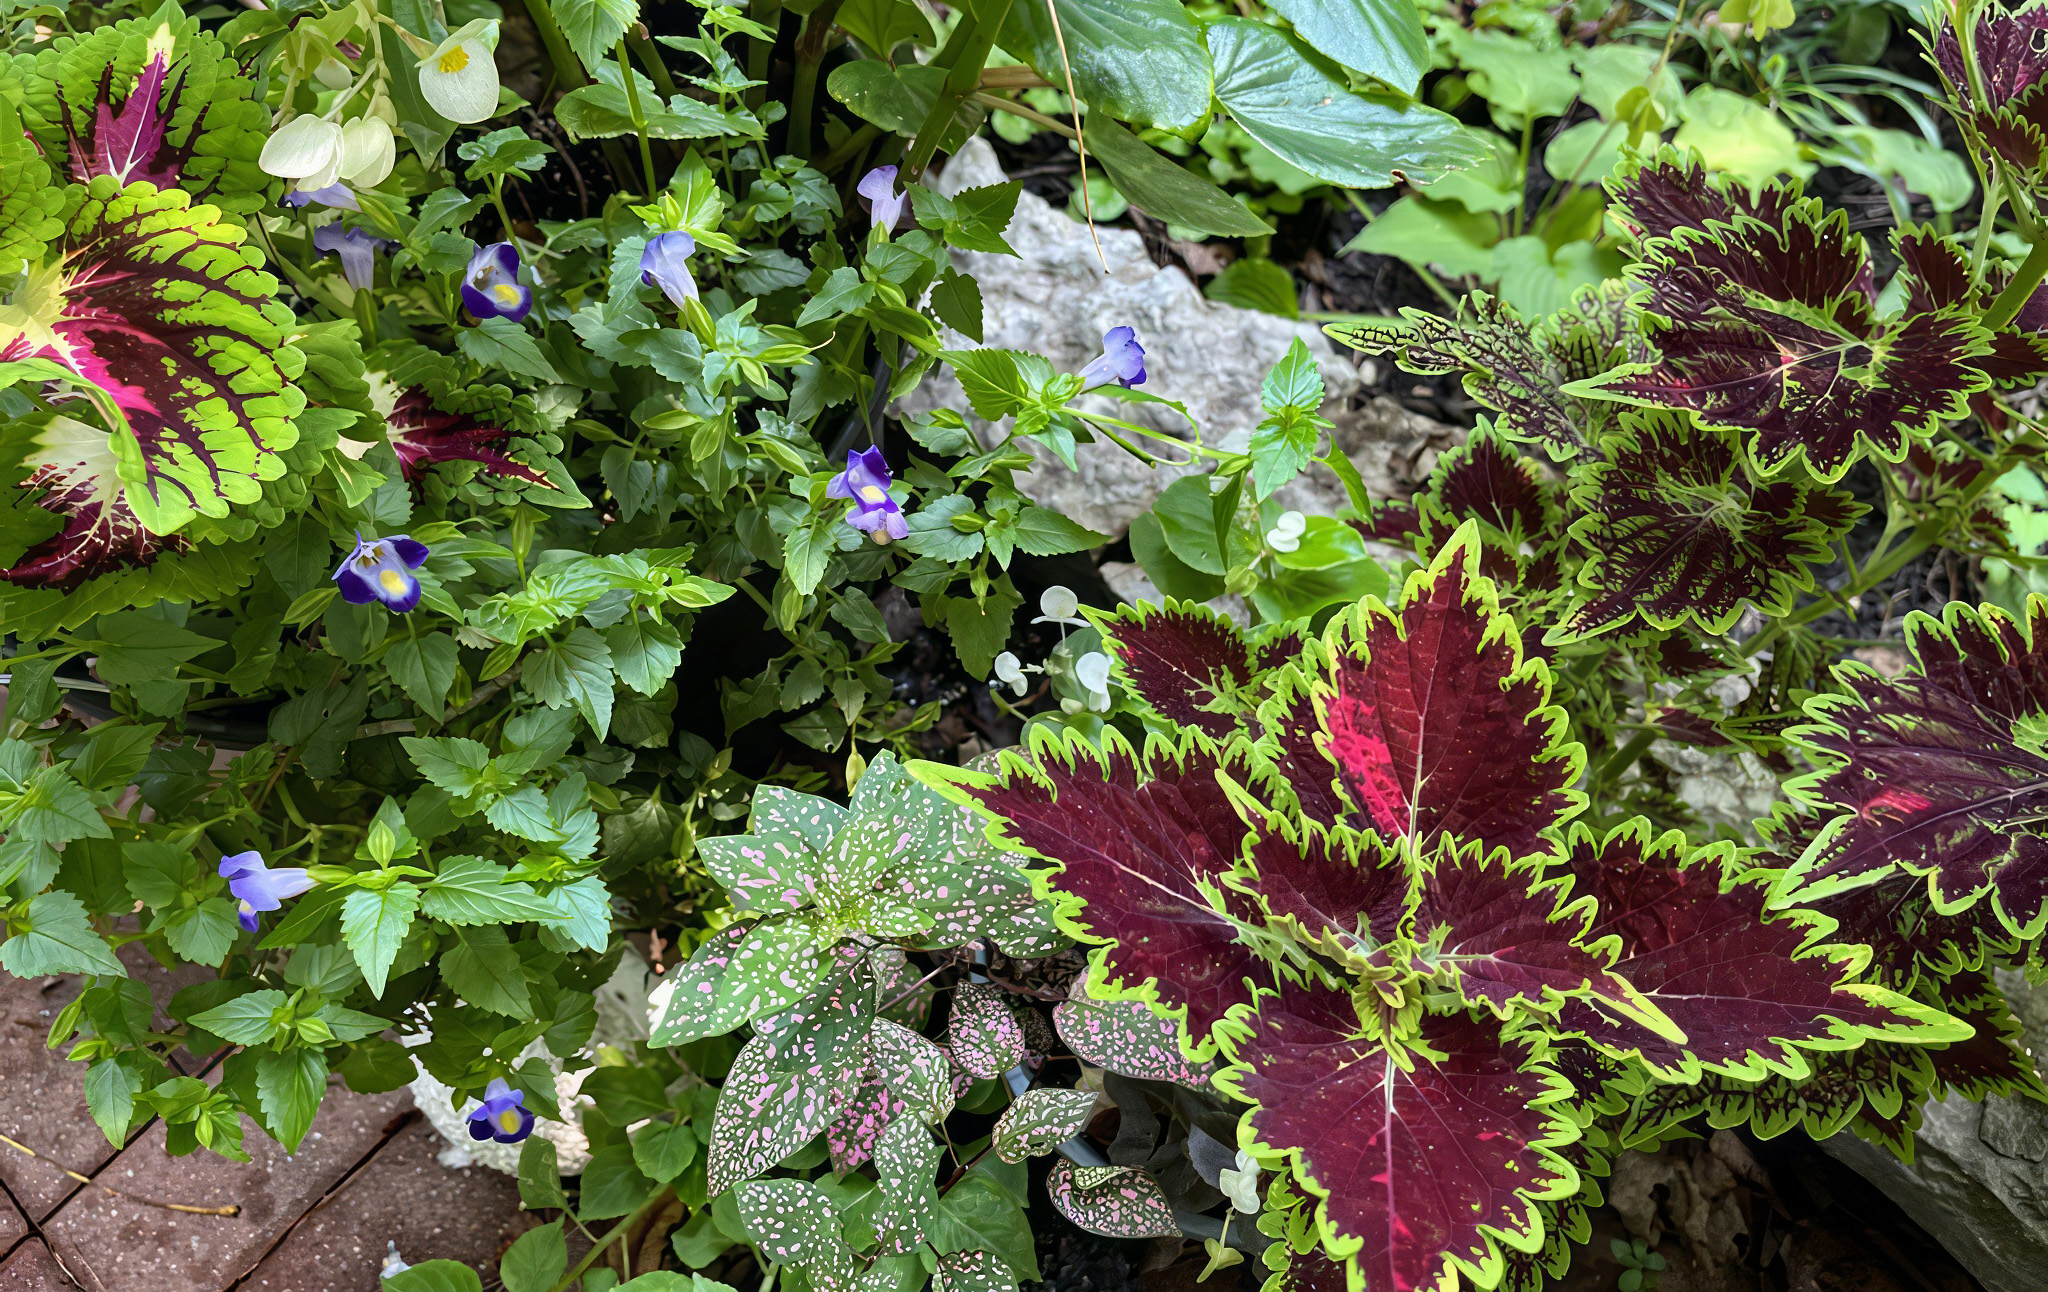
1624 758
650 57
612 1235
2024 281
769 14
845 152
366 315
963 58
568 68
637 115
803 91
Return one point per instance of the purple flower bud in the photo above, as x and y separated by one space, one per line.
491 286
257 888
866 481
381 569
666 264
358 252
1122 361
337 195
501 1116
885 203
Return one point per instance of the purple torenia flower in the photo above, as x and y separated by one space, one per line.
491 286
666 264
358 252
502 1115
866 482
337 195
1122 361
884 202
257 888
381 569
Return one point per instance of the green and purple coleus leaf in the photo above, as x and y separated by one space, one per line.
166 322
1752 992
422 435
2012 121
1941 772
153 99
1191 665
1519 368
1679 533
1767 325
1427 1162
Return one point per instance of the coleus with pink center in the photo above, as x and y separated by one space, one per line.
1371 901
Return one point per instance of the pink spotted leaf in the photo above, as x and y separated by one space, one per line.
1040 1120
1115 1201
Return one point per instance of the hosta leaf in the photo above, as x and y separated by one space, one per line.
1421 1169
156 304
1040 1120
1767 326
151 98
1437 725
1191 665
1516 368
1938 772
1750 996
1128 1037
983 1035
1679 533
1142 844
1115 1201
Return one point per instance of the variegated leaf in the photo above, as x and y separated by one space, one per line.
983 1035
1115 1201
1039 1121
1127 1037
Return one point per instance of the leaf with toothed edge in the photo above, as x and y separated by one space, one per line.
1425 1166
1189 664
1114 1201
1752 996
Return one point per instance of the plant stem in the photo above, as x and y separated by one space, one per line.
810 56
962 58
612 1235
769 14
2023 283
637 114
568 68
650 57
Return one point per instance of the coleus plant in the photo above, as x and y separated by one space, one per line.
1373 900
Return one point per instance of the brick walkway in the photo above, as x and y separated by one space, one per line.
366 1175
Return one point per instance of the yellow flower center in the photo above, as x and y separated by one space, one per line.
507 294
872 494
453 61
393 582
508 1120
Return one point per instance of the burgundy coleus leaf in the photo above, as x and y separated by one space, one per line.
1509 938
1485 480
1679 533
162 314
1191 665
1909 938
1938 772
1749 994
1343 892
73 474
2011 65
1127 1037
1671 190
1115 1201
1936 273
1515 367
1142 844
1769 327
1422 1165
1437 725
422 435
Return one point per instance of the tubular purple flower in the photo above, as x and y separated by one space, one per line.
358 252
885 203
381 569
1122 361
866 481
336 195
501 1115
491 286
257 888
666 264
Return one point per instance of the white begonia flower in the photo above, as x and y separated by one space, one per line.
307 149
1010 670
1241 1184
459 79
1285 536
368 152
333 73
1092 672
1058 605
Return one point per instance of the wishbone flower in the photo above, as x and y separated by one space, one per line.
358 251
866 481
1122 361
885 202
501 1116
381 569
665 263
257 888
491 286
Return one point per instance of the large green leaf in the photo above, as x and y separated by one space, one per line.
1310 117
1140 60
1382 38
1164 189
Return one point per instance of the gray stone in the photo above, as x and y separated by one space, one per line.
1057 300
1978 1181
